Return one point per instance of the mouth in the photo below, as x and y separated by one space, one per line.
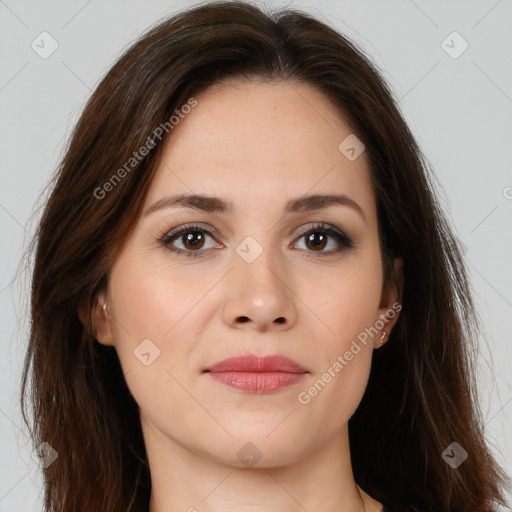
257 374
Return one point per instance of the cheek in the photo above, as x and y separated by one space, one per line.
151 335
333 395
147 310
159 309
343 349
345 302
153 299
343 354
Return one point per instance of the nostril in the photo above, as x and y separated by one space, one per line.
243 319
280 320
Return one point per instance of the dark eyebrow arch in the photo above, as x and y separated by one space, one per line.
218 205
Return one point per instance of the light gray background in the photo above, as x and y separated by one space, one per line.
459 109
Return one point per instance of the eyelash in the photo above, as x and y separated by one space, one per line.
340 237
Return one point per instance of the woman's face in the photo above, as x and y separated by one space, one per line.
267 268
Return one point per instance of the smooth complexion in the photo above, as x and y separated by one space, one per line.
257 146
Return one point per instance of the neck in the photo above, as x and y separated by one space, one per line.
184 480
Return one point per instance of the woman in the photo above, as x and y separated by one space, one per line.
245 295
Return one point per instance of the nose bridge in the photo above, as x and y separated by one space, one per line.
257 287
258 266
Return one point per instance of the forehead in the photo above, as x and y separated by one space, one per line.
261 144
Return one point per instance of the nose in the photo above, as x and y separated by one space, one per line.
259 295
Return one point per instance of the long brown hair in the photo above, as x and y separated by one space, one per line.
421 396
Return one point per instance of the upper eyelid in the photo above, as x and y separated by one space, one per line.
304 230
189 227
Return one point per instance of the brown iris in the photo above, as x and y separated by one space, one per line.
194 238
318 240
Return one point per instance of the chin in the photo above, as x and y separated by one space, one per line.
254 447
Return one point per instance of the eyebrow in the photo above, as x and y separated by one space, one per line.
213 204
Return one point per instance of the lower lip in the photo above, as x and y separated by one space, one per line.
261 382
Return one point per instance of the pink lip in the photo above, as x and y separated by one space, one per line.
257 374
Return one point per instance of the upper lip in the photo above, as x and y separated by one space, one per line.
256 364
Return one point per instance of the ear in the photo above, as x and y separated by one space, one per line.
97 319
390 304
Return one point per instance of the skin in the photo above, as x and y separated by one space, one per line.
257 145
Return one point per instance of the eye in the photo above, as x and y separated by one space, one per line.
316 238
191 237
